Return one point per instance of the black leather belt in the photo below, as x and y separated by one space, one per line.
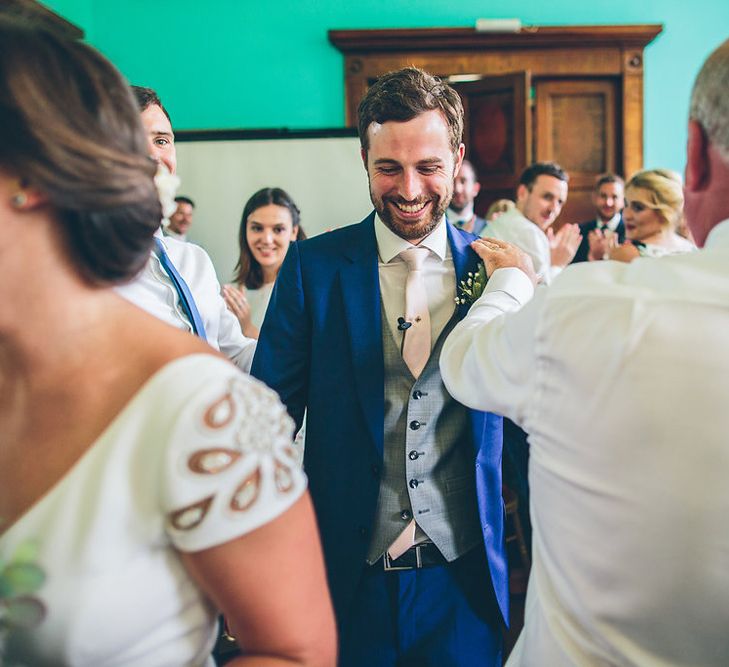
419 556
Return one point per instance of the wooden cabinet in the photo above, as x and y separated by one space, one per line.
571 94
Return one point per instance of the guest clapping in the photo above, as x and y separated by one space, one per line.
270 222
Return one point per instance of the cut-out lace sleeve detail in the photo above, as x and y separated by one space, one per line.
230 466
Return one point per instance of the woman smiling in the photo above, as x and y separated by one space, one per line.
653 211
269 224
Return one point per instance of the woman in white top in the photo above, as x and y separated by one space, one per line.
156 482
270 222
653 212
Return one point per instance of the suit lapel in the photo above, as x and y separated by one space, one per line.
464 260
360 285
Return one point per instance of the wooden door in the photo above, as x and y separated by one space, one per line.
497 133
577 126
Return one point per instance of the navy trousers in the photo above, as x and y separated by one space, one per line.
443 616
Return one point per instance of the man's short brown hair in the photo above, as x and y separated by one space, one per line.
406 93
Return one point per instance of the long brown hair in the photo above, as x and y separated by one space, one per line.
248 271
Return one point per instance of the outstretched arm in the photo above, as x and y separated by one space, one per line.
282 354
488 360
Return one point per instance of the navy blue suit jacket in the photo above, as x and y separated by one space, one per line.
320 348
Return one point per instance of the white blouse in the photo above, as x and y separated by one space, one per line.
201 455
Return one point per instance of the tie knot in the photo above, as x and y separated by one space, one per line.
414 257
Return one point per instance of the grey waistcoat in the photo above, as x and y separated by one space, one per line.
428 459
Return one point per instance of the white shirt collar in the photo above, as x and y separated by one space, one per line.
389 244
719 235
464 216
611 224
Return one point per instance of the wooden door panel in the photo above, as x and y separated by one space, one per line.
497 132
576 126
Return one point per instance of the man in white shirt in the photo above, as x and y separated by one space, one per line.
607 230
540 196
619 373
181 220
153 289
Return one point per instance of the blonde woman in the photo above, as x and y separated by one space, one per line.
653 212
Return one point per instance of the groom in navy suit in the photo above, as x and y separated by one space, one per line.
406 481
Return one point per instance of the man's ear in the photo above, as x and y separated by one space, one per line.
363 153
697 158
460 153
521 192
476 189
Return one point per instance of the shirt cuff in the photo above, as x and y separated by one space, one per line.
511 280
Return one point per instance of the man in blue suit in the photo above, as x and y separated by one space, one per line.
406 481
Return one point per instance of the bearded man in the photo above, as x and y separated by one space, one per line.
406 481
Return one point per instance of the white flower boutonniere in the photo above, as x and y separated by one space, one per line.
167 185
472 286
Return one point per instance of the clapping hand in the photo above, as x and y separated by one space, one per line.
601 244
235 299
564 244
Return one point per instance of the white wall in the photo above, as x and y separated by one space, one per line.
325 178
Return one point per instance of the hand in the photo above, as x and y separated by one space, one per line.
626 252
564 244
601 244
235 299
498 254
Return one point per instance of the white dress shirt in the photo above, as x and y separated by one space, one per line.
620 374
513 227
439 275
153 291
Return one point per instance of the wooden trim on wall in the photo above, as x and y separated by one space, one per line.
438 39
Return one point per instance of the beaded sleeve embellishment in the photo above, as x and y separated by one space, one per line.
251 431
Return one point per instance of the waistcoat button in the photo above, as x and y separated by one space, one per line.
405 515
413 483
413 455
415 425
417 394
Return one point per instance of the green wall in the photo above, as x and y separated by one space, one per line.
252 64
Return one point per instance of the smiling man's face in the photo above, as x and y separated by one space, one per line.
411 166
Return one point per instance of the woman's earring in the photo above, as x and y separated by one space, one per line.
19 200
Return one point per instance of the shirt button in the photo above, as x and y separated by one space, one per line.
415 425
413 455
417 394
413 483
406 515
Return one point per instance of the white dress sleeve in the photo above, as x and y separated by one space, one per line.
229 465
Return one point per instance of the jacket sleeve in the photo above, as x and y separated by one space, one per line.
283 351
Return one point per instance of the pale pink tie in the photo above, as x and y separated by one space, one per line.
415 351
416 344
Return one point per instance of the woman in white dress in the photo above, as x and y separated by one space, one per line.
157 482
270 222
652 214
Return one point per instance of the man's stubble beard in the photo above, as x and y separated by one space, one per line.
411 232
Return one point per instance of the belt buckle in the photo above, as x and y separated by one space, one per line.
389 567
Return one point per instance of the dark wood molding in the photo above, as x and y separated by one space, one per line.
251 135
351 42
36 12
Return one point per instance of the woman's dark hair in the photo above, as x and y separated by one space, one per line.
248 271
70 128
